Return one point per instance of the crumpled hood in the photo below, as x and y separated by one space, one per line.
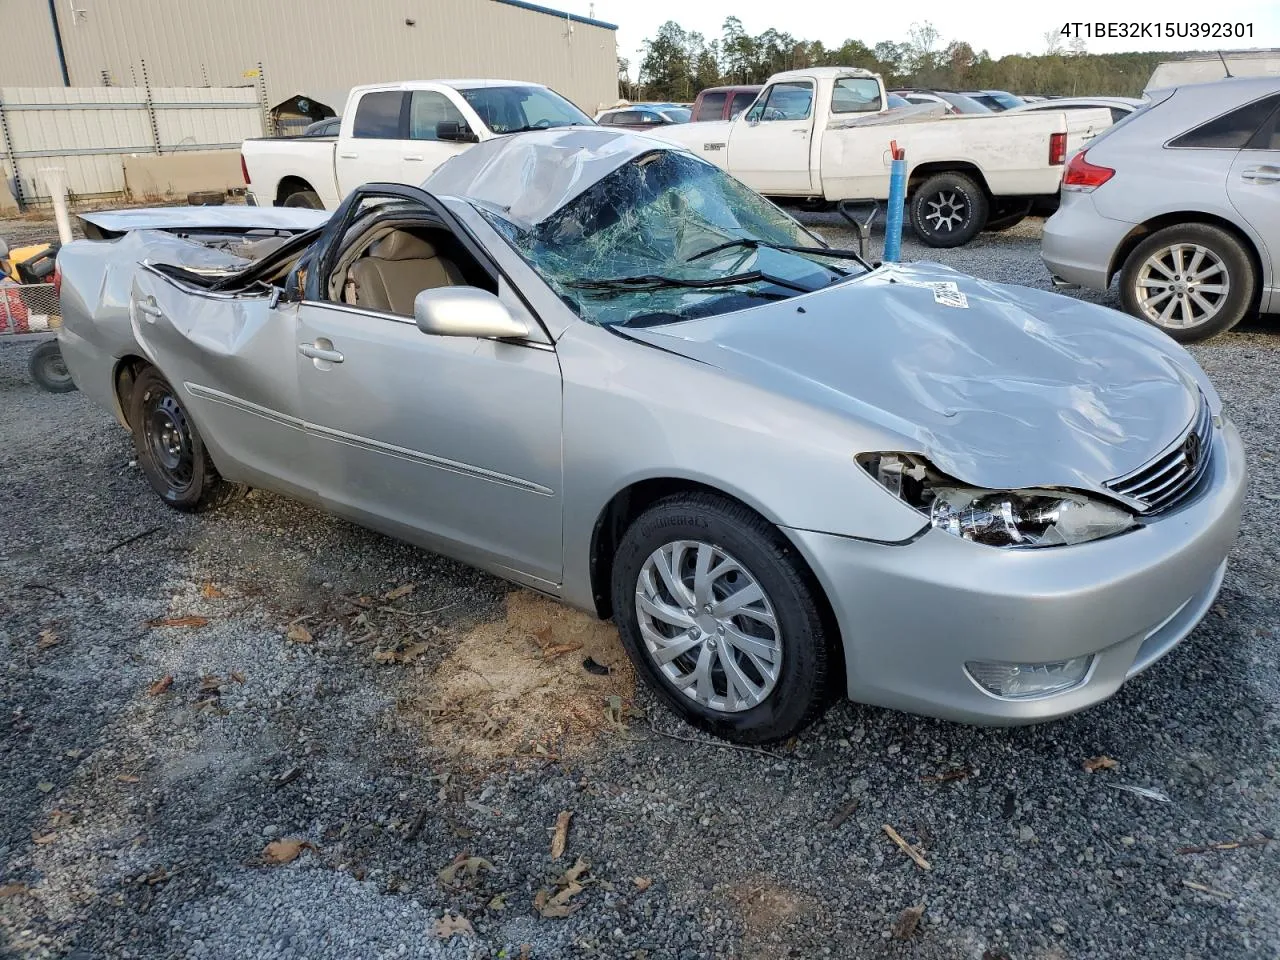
1014 388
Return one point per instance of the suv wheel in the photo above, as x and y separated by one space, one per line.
1193 281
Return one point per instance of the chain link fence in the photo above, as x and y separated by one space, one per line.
29 308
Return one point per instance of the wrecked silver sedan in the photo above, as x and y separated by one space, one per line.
596 365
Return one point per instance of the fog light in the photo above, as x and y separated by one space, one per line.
1022 681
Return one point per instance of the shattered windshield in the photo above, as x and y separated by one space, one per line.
668 237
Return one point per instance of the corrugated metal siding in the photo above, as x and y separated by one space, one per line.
28 56
86 130
314 45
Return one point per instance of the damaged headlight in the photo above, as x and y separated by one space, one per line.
999 518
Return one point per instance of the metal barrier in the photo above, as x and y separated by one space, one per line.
29 308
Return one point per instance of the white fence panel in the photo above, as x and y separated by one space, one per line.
86 131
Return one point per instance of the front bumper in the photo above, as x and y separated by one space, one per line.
911 615
1079 243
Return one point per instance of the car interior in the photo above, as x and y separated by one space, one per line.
391 262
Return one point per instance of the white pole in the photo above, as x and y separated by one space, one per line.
55 178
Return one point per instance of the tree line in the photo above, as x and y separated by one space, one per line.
677 63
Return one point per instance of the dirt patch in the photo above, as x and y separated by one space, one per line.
770 916
518 687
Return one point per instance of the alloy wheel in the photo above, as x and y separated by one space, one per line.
946 211
1182 285
708 625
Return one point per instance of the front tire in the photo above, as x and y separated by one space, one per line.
49 370
170 450
1192 280
751 662
948 210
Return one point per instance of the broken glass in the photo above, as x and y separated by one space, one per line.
667 235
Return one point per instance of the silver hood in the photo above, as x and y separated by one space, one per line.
206 218
999 386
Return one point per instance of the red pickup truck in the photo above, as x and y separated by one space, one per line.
723 103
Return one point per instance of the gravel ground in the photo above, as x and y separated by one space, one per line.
139 810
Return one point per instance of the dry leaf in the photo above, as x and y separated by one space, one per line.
454 925
464 867
398 592
285 851
642 883
559 650
905 926
210 684
12 890
1100 763
561 835
403 655
160 686
557 906
128 778
210 592
44 787
187 621
297 633
44 838
543 636
48 639
960 773
498 902
236 676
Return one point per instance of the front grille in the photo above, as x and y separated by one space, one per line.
1174 473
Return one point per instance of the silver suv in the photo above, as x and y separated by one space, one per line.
1182 200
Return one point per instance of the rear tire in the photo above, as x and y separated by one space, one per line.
307 199
1154 288
170 450
49 370
775 646
948 210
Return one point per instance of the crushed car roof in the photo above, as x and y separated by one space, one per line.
529 176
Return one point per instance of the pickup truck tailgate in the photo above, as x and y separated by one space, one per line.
1083 126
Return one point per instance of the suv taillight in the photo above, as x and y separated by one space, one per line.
1057 149
1083 176
244 169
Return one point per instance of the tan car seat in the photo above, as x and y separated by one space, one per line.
397 269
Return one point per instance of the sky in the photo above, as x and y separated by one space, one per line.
1000 28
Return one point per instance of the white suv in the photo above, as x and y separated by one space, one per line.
1181 199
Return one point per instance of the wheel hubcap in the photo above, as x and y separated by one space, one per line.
168 436
946 211
1182 285
708 625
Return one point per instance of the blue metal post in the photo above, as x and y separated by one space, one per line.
897 201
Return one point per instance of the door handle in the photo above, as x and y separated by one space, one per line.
319 353
349 156
413 156
150 310
1261 174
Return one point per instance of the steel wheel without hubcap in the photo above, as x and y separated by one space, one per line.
1183 285
168 437
708 626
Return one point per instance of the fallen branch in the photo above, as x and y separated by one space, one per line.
128 540
416 613
905 847
1227 845
716 743
1192 885
33 585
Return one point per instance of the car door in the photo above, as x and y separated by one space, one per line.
769 145
231 360
375 151
431 115
453 443
1254 188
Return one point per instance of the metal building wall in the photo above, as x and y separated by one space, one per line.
307 46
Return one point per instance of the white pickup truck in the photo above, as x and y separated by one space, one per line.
396 133
823 134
